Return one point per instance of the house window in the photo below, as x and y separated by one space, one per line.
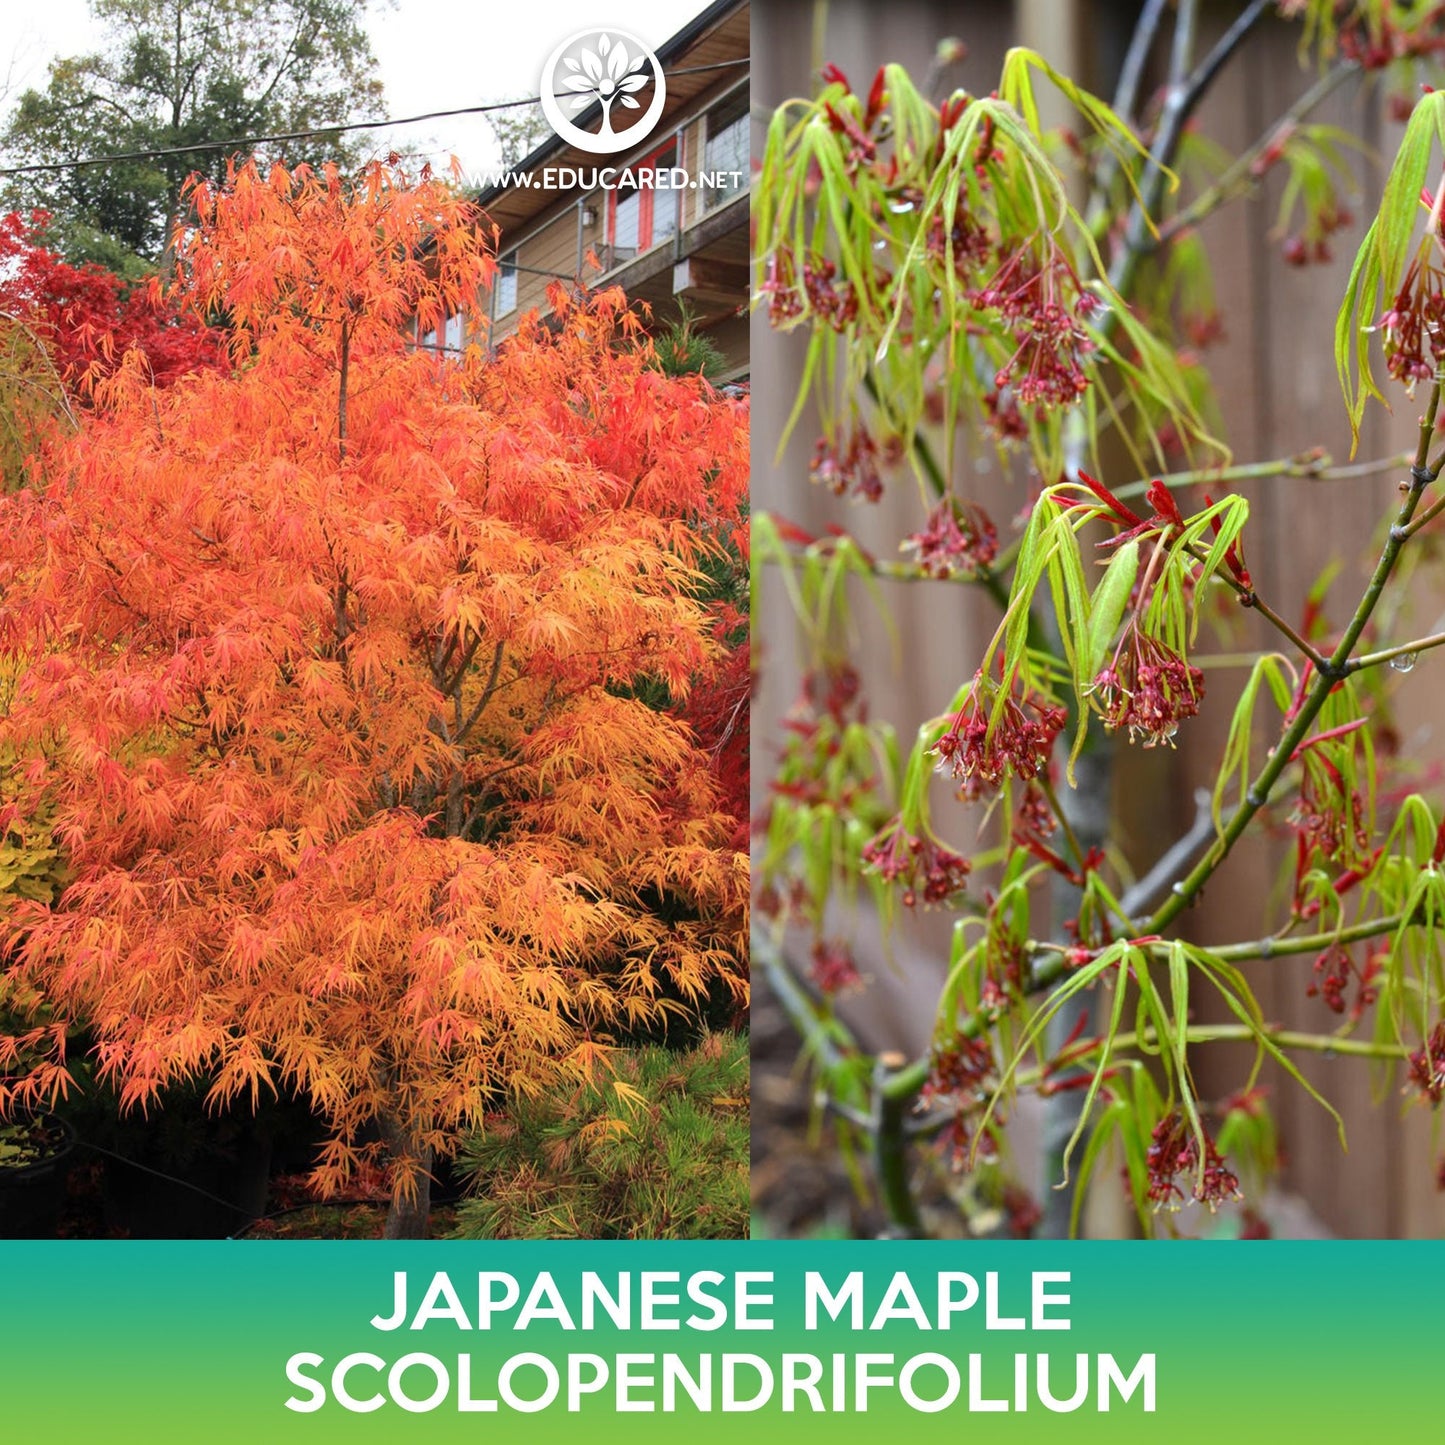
725 155
446 338
642 214
504 298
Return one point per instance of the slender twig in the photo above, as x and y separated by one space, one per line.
448 685
57 397
1307 942
1208 660
1248 597
1126 99
1405 649
1316 467
1282 1038
797 1005
1181 50
341 391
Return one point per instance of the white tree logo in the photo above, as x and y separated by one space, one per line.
607 68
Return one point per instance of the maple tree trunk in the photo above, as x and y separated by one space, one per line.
407 1218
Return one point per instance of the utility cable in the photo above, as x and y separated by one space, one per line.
251 143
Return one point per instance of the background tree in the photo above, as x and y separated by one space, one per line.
326 669
174 74
519 130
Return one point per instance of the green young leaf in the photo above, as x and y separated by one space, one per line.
1234 989
1384 254
1110 599
1116 1015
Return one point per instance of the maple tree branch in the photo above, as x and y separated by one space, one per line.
1126 93
1257 794
1246 1033
1430 512
481 783
1312 465
1239 179
341 396
338 607
1179 855
442 652
1181 98
487 691
450 686
58 397
1286 945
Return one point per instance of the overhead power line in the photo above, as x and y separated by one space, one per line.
252 142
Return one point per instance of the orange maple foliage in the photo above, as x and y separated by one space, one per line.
328 668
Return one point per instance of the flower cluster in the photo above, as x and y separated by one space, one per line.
1148 688
1313 243
1334 971
809 773
965 240
820 294
1047 366
1329 815
926 869
1174 1151
962 1067
832 301
833 969
835 688
785 301
1002 416
961 1077
1034 814
1024 1213
1427 1066
851 469
1414 326
980 753
1373 36
959 537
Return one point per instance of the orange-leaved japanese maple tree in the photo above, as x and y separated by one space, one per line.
330 670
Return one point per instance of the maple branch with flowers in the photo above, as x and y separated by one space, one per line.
945 280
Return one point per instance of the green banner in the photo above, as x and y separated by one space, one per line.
834 1342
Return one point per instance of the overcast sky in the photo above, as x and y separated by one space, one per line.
431 55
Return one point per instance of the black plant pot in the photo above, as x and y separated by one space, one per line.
31 1194
207 1195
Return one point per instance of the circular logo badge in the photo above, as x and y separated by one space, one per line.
608 68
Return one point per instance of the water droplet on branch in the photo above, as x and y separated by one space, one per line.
1404 662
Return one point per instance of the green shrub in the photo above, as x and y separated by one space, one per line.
656 1150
